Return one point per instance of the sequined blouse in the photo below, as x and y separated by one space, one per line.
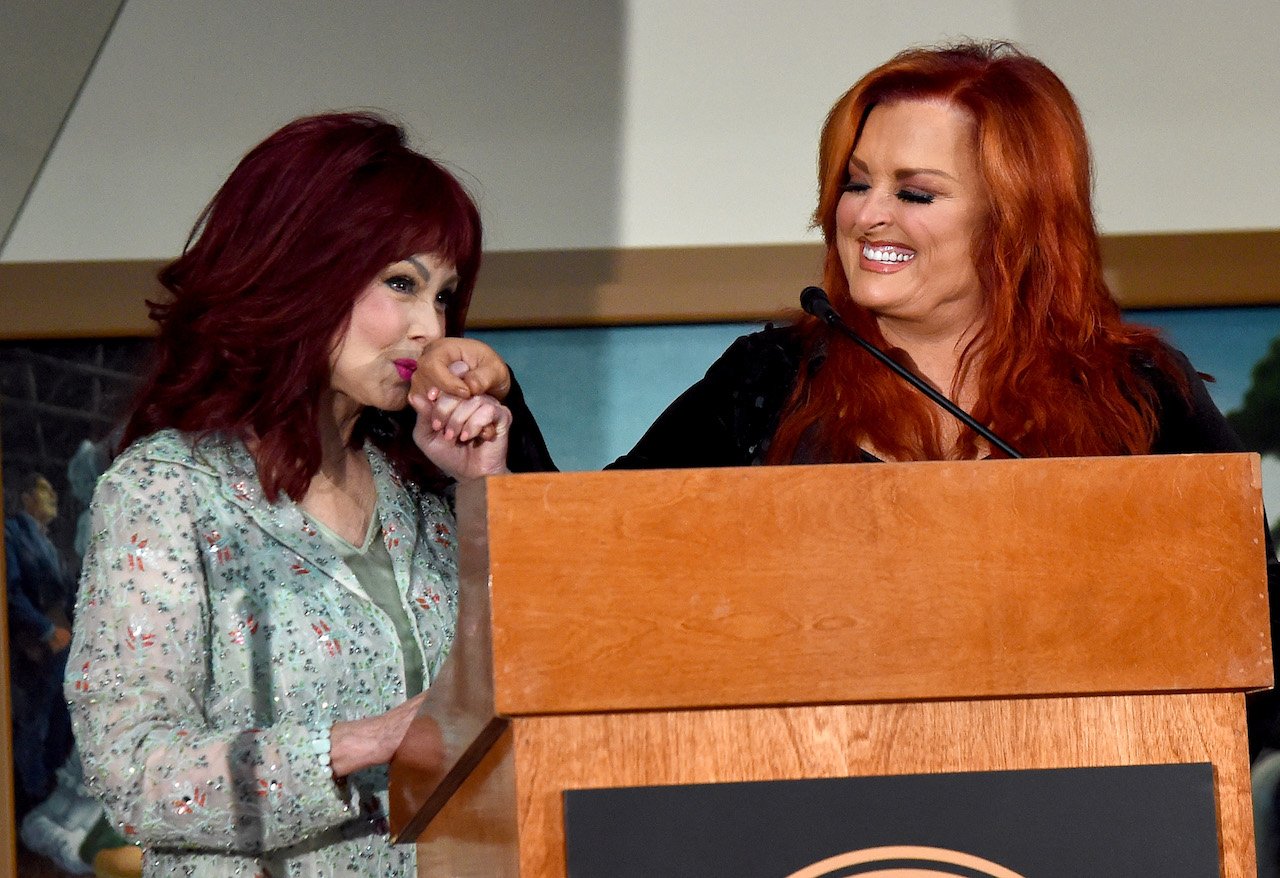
217 639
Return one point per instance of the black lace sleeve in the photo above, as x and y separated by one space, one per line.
526 449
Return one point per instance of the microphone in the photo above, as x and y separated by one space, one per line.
814 301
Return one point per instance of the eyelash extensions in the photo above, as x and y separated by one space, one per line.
910 196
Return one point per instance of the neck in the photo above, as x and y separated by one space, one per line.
342 494
337 421
934 352
343 470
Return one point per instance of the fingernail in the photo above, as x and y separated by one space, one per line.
464 436
433 394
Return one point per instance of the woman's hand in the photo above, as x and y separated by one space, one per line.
440 370
362 743
466 438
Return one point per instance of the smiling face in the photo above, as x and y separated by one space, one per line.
392 321
908 218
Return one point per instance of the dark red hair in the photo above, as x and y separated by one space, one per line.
1055 365
268 280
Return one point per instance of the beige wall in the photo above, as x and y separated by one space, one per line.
635 123
1182 104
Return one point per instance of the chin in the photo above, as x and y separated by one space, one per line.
398 400
872 302
387 400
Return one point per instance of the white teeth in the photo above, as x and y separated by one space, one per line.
877 254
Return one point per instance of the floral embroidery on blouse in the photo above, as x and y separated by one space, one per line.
217 639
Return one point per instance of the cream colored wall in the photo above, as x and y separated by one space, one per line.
522 97
636 122
724 102
1182 103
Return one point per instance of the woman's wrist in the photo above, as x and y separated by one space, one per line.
352 748
467 479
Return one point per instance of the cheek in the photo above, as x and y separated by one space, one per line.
946 237
846 213
378 321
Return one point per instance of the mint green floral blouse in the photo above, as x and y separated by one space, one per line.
217 639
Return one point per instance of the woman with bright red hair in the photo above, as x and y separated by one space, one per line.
271 583
954 197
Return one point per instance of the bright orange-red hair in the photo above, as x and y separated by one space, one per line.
1054 363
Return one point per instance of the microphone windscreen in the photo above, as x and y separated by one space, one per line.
814 301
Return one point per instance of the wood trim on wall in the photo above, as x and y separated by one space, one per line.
650 285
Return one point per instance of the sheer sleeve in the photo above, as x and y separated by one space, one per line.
169 774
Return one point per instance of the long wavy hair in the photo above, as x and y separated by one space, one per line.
1055 366
269 277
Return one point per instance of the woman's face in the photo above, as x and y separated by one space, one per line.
908 218
393 319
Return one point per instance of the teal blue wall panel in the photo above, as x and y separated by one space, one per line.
595 390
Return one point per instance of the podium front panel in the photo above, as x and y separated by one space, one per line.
835 584
558 753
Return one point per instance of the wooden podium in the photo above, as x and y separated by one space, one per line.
688 626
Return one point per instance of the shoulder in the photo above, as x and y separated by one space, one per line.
1188 419
16 525
172 457
1178 389
1163 365
780 343
171 446
766 360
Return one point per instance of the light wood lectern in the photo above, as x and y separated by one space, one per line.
687 626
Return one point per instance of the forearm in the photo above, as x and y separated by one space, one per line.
527 451
246 791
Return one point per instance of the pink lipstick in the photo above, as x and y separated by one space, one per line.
406 368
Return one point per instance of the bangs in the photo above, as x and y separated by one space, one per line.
438 217
449 234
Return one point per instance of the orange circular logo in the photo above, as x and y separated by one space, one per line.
904 861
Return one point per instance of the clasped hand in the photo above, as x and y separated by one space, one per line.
464 435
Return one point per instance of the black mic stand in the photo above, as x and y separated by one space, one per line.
814 301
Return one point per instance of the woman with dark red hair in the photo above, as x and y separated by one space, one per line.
954 197
272 581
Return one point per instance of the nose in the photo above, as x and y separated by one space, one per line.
873 209
426 322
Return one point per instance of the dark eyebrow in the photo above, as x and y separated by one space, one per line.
901 173
422 269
